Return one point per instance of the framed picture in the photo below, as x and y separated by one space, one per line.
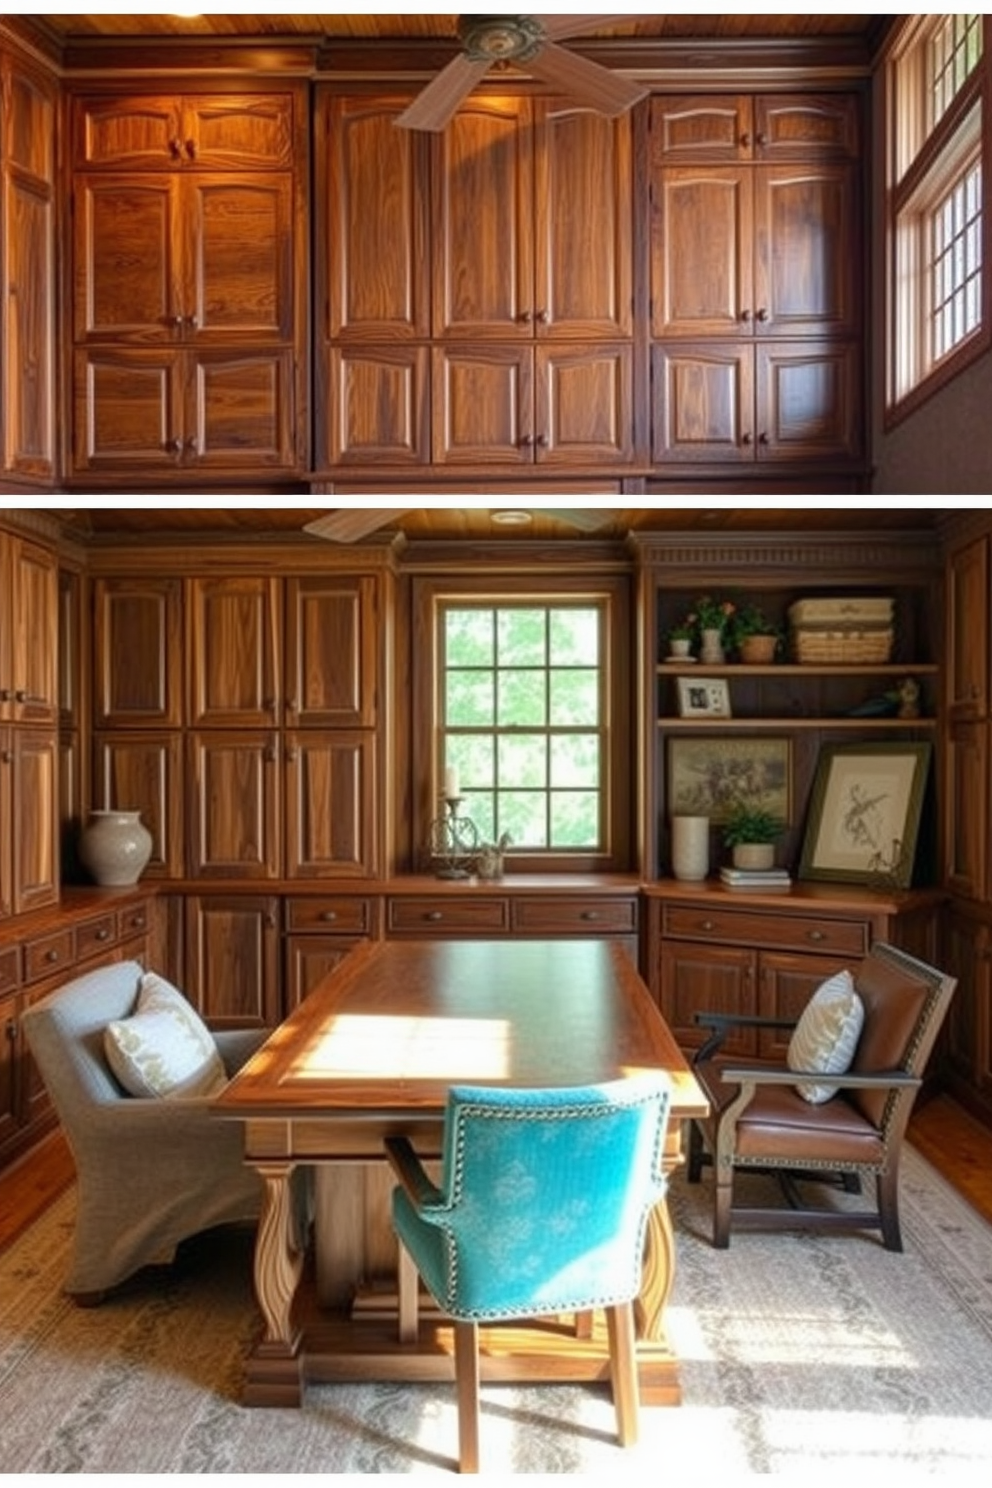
709 776
864 813
703 697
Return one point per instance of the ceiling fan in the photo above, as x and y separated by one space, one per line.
350 524
530 41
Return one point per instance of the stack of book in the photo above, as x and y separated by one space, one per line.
755 878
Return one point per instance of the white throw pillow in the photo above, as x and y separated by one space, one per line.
164 1048
827 1034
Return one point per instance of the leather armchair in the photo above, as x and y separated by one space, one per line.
759 1121
149 1172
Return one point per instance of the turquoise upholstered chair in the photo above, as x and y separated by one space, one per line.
542 1208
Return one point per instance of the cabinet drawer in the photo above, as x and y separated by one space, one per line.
95 936
448 916
780 932
9 977
343 915
47 954
573 916
133 921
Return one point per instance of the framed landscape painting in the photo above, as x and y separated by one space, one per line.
864 813
709 776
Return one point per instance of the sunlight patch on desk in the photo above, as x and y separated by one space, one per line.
402 1048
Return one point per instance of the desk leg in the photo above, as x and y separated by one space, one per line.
274 1369
658 1276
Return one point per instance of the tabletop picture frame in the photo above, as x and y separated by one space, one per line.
703 697
864 813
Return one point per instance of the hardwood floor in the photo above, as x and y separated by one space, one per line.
958 1145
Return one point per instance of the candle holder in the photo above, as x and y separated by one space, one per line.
453 841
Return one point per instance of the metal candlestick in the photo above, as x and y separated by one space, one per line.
453 841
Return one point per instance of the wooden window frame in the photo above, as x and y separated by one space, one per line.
924 162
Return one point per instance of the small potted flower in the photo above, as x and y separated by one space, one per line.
680 639
751 832
714 618
755 638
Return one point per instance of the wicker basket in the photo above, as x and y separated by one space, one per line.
846 647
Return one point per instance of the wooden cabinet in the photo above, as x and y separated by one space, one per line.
29 814
755 270
137 653
233 806
539 909
969 630
144 771
514 350
710 949
235 637
332 634
28 632
28 114
91 928
319 934
330 804
232 959
189 271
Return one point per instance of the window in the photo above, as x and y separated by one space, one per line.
530 690
939 311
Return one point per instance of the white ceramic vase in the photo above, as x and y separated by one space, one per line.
711 651
690 848
115 847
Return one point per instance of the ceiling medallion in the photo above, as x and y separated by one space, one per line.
500 38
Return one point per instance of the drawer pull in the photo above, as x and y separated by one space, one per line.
51 956
589 914
102 934
707 925
329 915
434 914
815 935
137 922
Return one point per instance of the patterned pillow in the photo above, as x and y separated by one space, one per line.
164 1049
826 1035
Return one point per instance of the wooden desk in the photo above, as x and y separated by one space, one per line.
372 1052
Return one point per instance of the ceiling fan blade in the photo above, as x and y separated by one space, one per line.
597 86
350 524
586 518
559 27
438 103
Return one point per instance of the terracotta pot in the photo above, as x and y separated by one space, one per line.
758 650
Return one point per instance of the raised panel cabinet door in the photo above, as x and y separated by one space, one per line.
701 127
239 279
331 651
715 979
483 405
70 648
808 400
233 806
6 826
584 405
483 199
583 222
142 132
28 415
806 125
127 270
127 410
373 199
702 403
331 821
969 637
235 131
34 619
144 772
968 810
232 959
35 819
702 267
30 110
240 410
309 959
373 406
137 652
808 250
785 985
234 636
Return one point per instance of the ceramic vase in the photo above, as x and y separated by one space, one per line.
680 648
690 847
711 651
114 847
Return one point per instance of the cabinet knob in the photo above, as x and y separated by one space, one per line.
191 322
761 139
191 445
434 915
191 149
5 695
10 1029
745 316
542 317
762 438
177 321
176 149
762 315
7 757
707 925
816 935
541 441
746 140
589 914
175 446
526 440
329 915
103 935
51 956
526 317
745 439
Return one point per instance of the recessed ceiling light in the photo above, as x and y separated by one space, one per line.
511 517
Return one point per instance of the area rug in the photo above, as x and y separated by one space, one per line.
800 1353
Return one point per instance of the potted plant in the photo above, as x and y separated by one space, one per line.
755 638
713 617
751 832
680 639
